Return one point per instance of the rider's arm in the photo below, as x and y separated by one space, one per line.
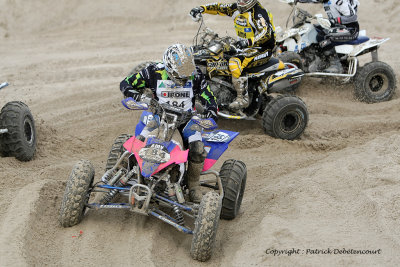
135 84
263 20
202 89
346 19
220 9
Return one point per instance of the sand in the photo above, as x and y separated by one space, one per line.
337 187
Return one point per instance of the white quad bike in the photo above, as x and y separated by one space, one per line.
17 130
373 82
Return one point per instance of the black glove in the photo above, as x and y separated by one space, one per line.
195 11
210 114
334 21
132 93
242 44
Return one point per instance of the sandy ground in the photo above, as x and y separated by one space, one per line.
338 186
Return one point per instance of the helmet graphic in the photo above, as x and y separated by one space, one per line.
245 5
179 63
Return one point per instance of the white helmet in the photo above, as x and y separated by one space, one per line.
179 63
245 5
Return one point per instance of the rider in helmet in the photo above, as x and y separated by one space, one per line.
256 34
343 17
178 74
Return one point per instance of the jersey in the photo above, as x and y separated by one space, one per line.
255 25
344 11
156 78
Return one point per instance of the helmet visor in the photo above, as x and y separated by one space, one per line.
184 64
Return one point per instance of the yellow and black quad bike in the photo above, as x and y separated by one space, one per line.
283 116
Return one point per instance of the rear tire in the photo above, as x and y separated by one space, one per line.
205 227
285 117
291 57
375 82
233 175
117 149
20 140
76 194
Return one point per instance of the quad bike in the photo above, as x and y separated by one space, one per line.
373 82
150 178
283 116
17 130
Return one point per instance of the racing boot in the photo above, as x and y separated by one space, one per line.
195 189
334 63
242 99
197 155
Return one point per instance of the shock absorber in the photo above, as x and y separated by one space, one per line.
109 196
121 182
178 213
179 216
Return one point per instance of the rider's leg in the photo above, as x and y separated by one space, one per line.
197 155
236 65
337 35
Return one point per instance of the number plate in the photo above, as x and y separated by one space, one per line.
155 153
219 137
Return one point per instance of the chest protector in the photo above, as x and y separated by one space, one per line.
243 27
172 94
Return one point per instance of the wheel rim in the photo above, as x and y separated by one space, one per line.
378 83
28 131
290 122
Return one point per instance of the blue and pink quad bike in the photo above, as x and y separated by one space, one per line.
149 177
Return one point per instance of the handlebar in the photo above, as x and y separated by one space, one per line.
197 18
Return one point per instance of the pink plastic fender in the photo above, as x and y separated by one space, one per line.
134 145
208 163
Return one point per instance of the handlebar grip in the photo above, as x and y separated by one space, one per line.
3 85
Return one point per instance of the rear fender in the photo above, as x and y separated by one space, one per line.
216 143
373 42
283 79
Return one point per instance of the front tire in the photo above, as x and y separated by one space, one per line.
205 227
20 140
233 175
285 117
76 194
375 82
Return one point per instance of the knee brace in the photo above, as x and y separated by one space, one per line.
235 67
197 152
